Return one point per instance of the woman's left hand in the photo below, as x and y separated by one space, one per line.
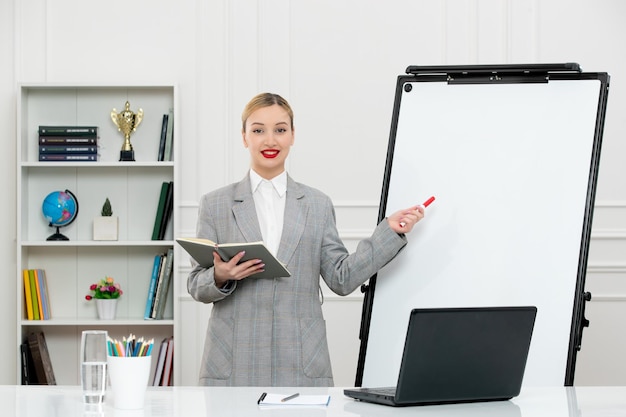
402 221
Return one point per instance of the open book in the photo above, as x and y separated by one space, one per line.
202 251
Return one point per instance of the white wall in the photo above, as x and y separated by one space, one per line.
337 62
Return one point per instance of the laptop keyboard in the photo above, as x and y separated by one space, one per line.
383 391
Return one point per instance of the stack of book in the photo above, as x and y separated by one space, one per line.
167 137
164 210
36 363
68 143
163 371
159 285
36 294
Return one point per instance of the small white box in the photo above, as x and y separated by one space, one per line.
105 228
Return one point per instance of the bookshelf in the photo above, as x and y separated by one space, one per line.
133 189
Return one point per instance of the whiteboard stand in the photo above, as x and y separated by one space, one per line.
511 153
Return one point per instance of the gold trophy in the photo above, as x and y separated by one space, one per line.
127 122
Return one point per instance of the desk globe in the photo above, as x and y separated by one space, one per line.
60 209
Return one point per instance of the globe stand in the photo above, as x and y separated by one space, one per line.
57 235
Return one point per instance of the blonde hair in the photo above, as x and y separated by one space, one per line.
265 100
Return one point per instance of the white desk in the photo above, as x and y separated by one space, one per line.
65 401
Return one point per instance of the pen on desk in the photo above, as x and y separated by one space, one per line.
291 397
261 398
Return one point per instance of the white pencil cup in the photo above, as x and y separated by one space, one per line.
129 380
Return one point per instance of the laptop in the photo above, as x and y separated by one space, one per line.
459 355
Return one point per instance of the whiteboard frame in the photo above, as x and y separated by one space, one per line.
485 75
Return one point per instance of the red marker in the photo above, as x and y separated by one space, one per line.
424 204
427 202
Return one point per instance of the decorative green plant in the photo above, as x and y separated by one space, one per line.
106 208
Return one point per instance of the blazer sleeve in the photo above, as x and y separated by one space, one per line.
201 281
201 285
344 272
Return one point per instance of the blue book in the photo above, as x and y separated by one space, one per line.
153 282
43 292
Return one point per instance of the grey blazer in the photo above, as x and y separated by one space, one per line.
271 332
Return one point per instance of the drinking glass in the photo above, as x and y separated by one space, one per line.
93 365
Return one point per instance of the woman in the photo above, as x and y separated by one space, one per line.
271 332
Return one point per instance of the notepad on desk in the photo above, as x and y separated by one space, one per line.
269 399
202 251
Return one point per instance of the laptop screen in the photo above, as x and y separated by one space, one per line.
465 354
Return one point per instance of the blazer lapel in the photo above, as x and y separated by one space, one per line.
294 221
244 212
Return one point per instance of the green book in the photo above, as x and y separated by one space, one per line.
169 136
160 211
167 211
202 251
85 131
33 294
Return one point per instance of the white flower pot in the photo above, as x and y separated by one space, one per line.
106 308
105 228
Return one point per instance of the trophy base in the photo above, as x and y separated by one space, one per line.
127 155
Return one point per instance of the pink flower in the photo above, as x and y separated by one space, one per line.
105 288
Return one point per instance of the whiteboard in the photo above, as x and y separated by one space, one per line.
513 168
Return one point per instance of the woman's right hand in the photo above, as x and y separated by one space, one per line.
233 270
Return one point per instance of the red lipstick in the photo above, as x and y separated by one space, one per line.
270 153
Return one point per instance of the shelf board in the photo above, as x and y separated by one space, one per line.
98 164
104 86
96 322
96 243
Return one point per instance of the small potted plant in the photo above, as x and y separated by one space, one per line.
106 292
106 226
